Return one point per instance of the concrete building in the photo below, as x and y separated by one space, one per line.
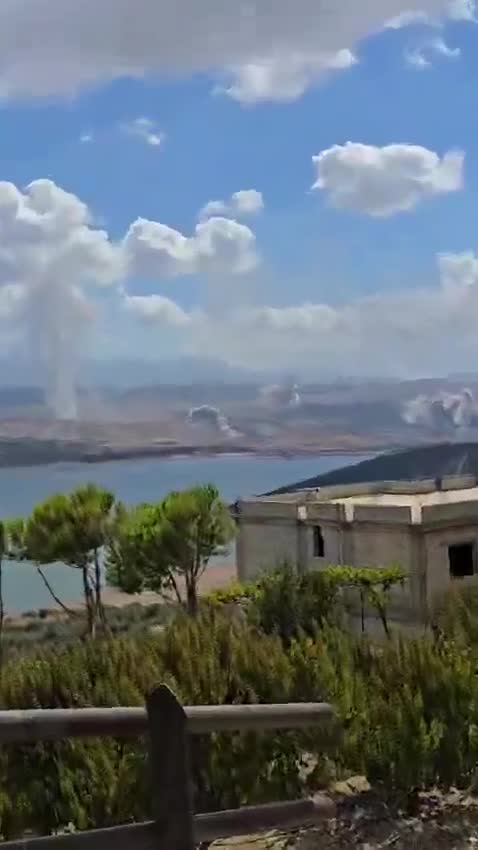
427 527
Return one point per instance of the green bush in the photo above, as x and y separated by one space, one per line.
407 711
455 613
211 660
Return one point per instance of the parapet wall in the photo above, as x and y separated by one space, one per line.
318 505
405 488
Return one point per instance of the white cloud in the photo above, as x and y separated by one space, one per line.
410 331
49 252
86 138
406 19
458 272
456 10
462 10
420 58
387 180
144 129
284 76
218 245
55 47
157 310
241 204
416 59
52 255
438 45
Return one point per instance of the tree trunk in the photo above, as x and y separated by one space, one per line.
191 596
53 595
99 601
362 611
89 603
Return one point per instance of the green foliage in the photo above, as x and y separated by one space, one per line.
286 603
71 528
455 613
232 593
409 717
407 711
166 547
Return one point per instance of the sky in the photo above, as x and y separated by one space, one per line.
276 186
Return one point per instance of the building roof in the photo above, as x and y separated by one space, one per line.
425 462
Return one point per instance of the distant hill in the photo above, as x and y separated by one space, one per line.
435 461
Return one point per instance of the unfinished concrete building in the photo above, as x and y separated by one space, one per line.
427 527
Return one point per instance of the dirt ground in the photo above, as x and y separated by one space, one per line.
364 822
213 579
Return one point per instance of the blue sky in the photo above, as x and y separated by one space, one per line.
376 269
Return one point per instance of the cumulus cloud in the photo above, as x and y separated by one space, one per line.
429 329
49 251
284 76
241 204
52 255
144 129
56 47
381 181
217 245
456 10
157 310
406 332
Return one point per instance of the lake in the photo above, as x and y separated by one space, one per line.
135 481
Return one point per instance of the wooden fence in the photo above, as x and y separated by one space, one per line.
174 825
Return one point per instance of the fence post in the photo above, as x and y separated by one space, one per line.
172 787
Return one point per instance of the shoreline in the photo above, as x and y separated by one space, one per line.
35 456
214 578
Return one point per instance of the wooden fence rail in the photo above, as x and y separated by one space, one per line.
174 825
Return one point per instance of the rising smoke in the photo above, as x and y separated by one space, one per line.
58 318
49 252
280 396
211 419
444 412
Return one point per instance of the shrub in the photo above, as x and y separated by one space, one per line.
455 613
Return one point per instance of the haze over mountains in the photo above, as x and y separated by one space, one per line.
180 406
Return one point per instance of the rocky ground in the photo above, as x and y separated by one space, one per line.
364 822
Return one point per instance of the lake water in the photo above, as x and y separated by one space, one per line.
135 481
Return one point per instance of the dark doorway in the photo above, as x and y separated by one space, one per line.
319 545
461 558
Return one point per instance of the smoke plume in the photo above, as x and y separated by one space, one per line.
280 396
211 419
444 412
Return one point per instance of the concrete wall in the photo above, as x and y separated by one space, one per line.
266 539
261 546
436 543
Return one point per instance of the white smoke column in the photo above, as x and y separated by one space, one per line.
417 411
213 419
58 316
281 396
456 411
49 251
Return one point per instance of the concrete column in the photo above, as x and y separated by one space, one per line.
417 578
302 547
347 544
